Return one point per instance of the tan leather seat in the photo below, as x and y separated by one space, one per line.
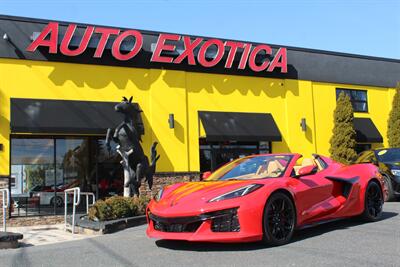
307 162
274 168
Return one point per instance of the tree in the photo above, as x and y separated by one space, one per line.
394 120
343 140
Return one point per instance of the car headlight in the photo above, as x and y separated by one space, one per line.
242 191
396 172
159 194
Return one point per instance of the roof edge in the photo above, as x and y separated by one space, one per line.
294 48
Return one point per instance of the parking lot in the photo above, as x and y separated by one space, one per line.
341 243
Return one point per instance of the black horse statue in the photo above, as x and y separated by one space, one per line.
128 137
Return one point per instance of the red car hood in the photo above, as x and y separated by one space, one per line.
193 197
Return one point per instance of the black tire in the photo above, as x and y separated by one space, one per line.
279 220
373 202
58 201
389 185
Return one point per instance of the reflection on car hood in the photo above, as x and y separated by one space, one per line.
193 195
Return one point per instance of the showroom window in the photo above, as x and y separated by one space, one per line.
358 98
43 167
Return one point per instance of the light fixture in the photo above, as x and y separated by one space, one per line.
303 124
171 121
5 37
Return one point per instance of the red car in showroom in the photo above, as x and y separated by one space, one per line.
265 198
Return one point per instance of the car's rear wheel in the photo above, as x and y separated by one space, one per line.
389 186
373 202
279 219
58 201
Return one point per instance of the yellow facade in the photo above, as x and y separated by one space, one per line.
163 92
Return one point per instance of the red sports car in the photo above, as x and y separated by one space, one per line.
265 197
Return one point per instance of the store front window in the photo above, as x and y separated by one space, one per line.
215 154
42 168
358 98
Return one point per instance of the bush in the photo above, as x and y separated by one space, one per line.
139 205
343 140
100 211
118 207
394 120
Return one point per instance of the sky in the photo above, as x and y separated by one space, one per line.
366 27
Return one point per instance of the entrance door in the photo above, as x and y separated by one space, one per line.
215 154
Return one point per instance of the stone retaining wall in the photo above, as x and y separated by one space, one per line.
35 220
163 179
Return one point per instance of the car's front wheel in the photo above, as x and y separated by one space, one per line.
279 219
373 202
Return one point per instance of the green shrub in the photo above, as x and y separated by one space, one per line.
394 120
100 211
117 207
343 140
139 204
120 207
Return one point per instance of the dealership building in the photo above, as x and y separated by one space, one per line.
205 101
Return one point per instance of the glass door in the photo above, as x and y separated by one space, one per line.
32 170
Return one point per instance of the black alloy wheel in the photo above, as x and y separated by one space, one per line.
373 202
279 220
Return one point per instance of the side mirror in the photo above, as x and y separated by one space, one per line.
205 175
307 170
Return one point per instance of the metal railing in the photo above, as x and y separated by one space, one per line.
5 204
76 200
87 194
76 191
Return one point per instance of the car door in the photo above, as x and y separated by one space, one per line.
314 196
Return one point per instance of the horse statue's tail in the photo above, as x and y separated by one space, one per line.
152 167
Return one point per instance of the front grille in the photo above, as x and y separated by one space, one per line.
221 221
225 221
176 227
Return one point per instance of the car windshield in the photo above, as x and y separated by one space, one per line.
388 155
249 168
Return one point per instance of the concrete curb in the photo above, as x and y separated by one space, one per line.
86 226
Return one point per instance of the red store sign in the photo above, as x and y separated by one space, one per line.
49 38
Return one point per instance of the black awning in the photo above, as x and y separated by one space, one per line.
62 116
366 131
235 126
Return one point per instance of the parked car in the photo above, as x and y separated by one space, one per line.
265 197
388 161
44 195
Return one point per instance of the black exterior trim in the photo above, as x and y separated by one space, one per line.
191 219
238 126
303 64
366 131
347 183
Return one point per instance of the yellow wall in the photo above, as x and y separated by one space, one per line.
379 106
161 92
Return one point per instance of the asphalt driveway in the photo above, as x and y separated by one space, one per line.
342 243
